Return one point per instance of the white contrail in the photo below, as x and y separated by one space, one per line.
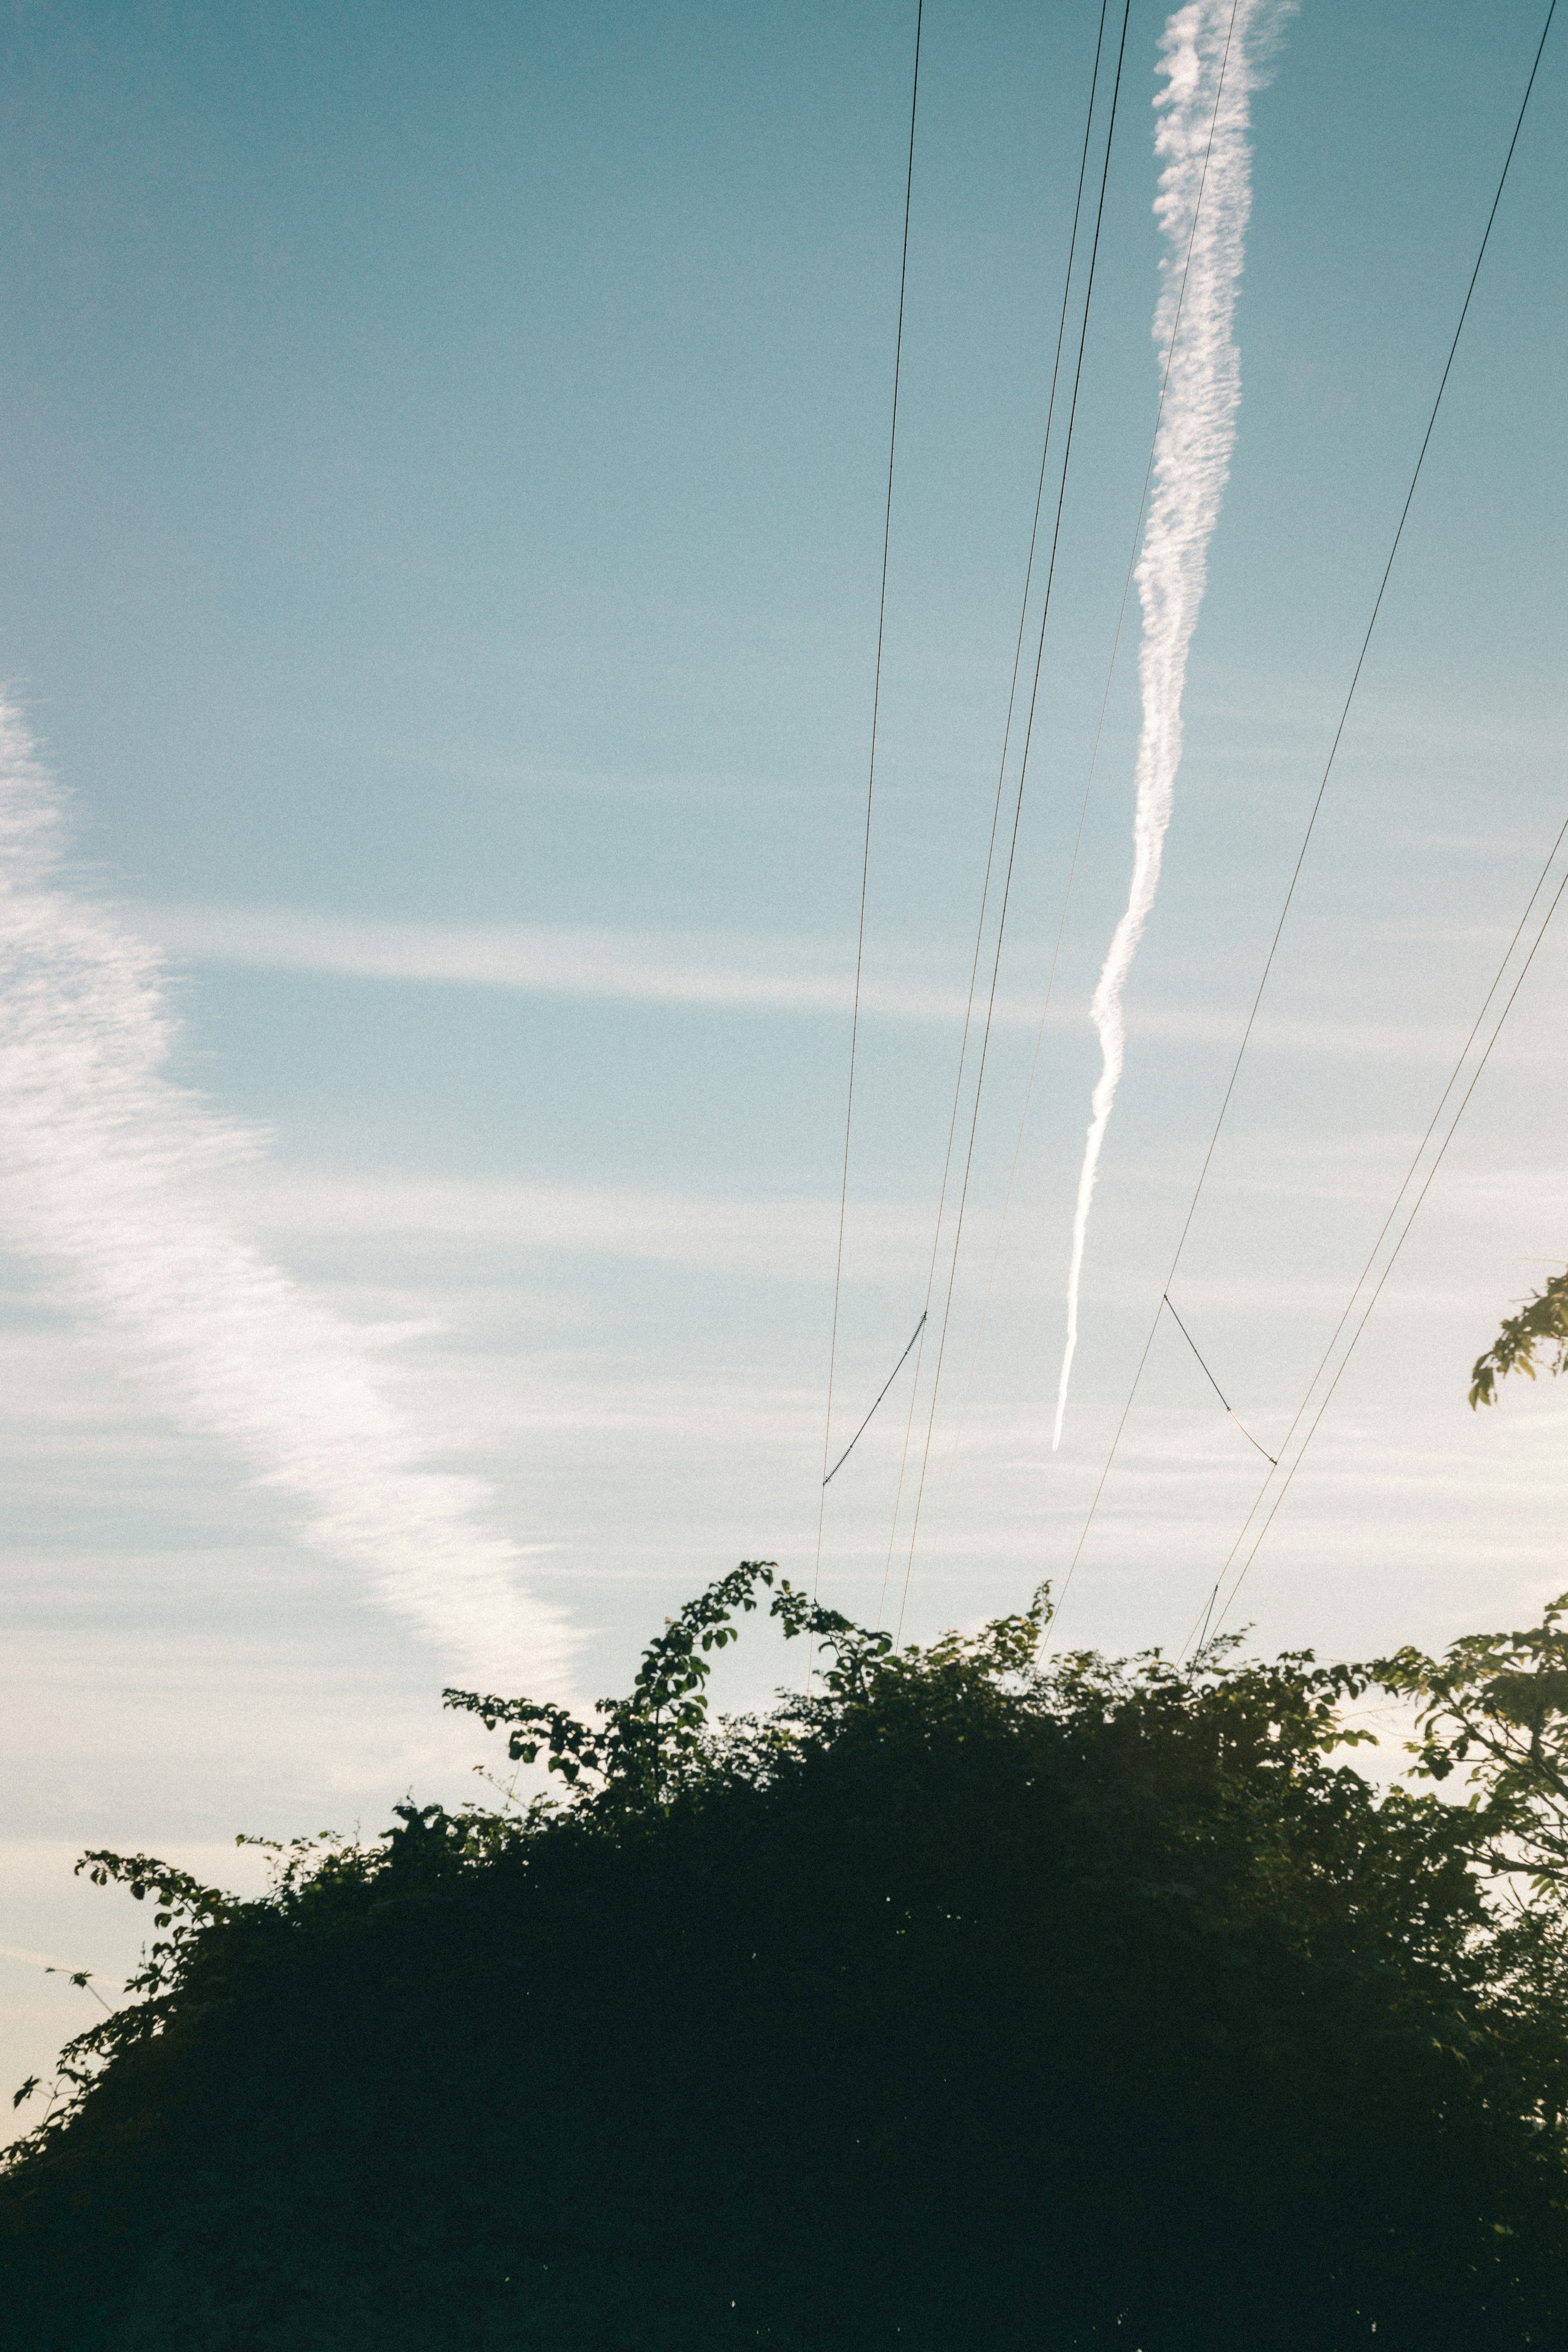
1209 54
113 1174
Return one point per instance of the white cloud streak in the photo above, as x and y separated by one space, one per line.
116 1177
1208 56
776 975
704 971
786 1240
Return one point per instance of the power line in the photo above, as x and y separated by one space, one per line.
1018 802
1382 1230
1094 758
881 1392
1372 1302
997 805
866 850
1213 1384
1312 821
1200 1630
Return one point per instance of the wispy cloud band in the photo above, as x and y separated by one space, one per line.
704 970
696 970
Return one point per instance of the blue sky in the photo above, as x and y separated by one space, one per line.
442 486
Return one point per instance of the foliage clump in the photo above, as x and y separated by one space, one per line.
977 1999
1542 1322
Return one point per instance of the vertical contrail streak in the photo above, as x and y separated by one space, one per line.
112 1174
1208 55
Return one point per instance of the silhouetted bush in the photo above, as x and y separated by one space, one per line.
972 2002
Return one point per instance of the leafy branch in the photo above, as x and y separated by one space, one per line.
183 1904
644 1742
1498 1703
1542 1324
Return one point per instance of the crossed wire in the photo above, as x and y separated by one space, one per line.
1200 1634
866 849
1017 813
1312 820
997 805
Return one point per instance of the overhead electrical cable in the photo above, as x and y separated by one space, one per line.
1093 765
1000 779
1312 819
1200 1630
1056 958
866 848
1394 1254
1018 802
881 1392
1191 468
1272 1458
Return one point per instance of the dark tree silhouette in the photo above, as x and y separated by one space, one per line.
977 2001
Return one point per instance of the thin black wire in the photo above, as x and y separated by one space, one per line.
1094 758
1200 1630
1018 805
997 805
1372 1302
1217 1390
881 1392
866 851
1312 821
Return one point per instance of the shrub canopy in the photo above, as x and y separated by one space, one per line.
978 1999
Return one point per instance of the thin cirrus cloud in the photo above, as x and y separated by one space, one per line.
704 970
636 967
122 1183
786 1240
